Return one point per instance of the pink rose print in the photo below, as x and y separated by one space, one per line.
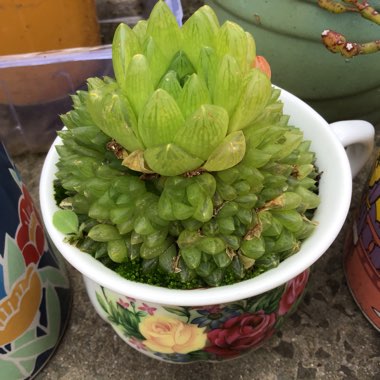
241 333
123 304
30 234
148 309
293 290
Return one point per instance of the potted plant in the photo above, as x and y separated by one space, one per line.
190 191
290 35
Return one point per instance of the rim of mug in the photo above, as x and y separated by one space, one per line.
335 188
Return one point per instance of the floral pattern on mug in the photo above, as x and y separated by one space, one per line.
241 333
170 335
212 332
293 290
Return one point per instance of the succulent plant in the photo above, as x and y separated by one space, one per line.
184 164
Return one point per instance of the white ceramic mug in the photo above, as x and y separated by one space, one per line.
210 321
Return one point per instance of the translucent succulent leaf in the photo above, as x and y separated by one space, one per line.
192 256
66 221
163 27
207 183
158 63
160 120
140 30
195 194
125 45
204 211
255 95
117 250
138 80
206 67
230 152
135 161
182 66
291 141
170 84
198 31
232 40
203 131
227 89
194 94
211 245
170 160
251 49
113 114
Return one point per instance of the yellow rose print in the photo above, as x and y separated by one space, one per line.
168 335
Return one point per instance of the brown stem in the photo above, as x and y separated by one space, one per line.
362 7
335 7
366 10
337 43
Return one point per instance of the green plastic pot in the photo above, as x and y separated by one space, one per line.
288 34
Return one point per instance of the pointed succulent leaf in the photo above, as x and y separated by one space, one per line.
182 66
112 115
195 93
206 66
203 131
160 120
170 160
158 63
226 92
163 28
140 30
291 141
125 45
198 31
135 161
232 40
251 49
170 84
255 95
229 153
138 80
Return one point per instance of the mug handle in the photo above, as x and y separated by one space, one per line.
357 136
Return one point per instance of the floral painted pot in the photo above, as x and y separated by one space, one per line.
35 297
290 39
189 333
223 322
362 251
